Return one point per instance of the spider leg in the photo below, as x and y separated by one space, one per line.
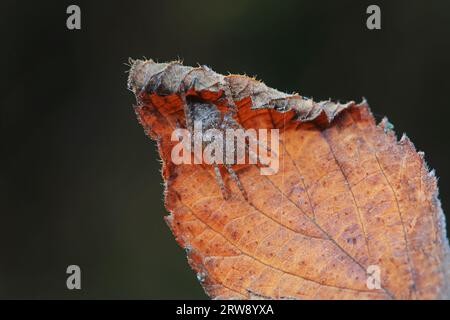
229 122
147 80
187 113
235 178
158 81
220 181
229 98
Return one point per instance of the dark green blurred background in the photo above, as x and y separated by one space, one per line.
80 182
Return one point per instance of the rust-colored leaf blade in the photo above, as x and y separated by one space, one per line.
347 196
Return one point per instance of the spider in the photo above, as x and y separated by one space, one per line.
197 110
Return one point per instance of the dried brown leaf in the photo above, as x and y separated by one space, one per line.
348 195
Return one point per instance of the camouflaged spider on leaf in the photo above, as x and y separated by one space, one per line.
147 77
348 195
208 116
